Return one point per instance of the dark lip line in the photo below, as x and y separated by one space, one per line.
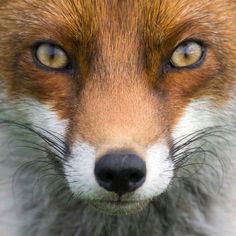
119 202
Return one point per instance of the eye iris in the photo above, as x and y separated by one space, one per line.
187 54
51 56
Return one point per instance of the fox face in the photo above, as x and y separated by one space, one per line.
128 86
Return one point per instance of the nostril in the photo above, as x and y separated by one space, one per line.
106 176
136 177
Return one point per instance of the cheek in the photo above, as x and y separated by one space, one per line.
44 118
198 115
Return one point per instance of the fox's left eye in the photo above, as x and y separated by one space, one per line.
187 54
51 56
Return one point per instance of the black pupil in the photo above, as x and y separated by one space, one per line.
186 51
52 52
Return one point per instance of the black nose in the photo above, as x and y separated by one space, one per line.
120 172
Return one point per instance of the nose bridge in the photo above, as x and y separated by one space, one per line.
117 114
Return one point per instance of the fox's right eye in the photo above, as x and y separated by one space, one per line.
51 56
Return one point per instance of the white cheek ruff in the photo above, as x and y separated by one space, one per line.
30 111
197 116
44 117
46 122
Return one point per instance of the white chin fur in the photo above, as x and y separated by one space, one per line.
122 208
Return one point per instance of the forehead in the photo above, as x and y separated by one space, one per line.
84 17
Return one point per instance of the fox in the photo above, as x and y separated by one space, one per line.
117 118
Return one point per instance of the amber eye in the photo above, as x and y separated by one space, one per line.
51 56
187 54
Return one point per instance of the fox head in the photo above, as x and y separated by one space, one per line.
124 84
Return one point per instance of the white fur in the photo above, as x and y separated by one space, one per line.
159 172
197 115
80 171
43 116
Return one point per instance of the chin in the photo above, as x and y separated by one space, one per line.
119 208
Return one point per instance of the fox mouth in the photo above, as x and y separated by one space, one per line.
119 207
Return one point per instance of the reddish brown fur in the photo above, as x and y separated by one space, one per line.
118 92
